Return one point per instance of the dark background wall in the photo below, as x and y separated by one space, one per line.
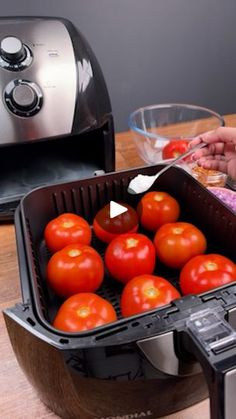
154 51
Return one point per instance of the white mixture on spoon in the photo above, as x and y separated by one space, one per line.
140 184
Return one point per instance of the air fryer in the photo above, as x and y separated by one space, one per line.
148 365
55 112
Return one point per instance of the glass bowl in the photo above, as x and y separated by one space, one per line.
154 127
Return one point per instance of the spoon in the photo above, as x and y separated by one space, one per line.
142 183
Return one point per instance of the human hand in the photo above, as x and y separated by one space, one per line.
220 153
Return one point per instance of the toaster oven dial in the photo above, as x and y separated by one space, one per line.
14 55
24 98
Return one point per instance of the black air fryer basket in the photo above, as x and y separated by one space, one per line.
146 365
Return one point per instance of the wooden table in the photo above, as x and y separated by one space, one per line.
18 400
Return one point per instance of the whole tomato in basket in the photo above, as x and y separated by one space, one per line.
84 311
75 268
107 228
146 292
67 228
205 272
157 208
129 255
178 242
174 149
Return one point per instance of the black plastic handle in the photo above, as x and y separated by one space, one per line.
213 341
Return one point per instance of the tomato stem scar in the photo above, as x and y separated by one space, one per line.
83 311
131 243
151 292
74 252
211 266
68 224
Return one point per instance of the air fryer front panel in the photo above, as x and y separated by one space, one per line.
38 79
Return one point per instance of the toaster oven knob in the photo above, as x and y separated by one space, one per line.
12 49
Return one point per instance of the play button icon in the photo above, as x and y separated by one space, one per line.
114 219
116 209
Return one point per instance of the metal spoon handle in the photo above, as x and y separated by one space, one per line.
181 157
142 183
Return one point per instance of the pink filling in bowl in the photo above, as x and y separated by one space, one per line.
226 195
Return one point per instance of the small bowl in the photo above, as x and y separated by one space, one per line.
153 127
208 177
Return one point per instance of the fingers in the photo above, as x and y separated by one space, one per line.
216 141
212 149
200 139
216 157
212 164
222 134
194 142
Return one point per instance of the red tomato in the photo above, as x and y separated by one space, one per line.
174 148
176 243
146 292
107 228
157 208
204 272
75 268
83 312
129 255
66 229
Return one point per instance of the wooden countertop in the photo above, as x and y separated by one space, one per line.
18 400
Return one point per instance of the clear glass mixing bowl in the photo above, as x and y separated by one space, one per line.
153 127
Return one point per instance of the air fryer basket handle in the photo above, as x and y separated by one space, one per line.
213 341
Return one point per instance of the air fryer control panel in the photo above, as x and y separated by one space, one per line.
38 80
